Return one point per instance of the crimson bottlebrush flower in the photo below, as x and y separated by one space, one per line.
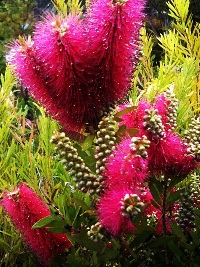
25 208
169 156
109 210
135 118
22 57
76 68
113 30
125 166
61 47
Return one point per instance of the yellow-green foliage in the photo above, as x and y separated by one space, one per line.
179 65
72 6
16 18
26 155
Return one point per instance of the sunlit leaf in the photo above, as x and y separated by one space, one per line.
43 222
125 111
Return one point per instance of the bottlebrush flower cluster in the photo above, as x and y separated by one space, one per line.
78 67
156 150
25 208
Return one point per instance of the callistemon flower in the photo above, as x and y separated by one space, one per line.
25 208
135 118
23 58
169 156
167 153
77 68
110 210
61 47
128 164
113 28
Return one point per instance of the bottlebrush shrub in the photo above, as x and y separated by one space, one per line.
155 150
136 195
25 208
141 212
77 68
143 175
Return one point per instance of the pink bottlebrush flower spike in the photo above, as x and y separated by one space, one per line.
119 205
31 74
135 118
109 210
25 208
126 166
169 156
113 29
77 68
61 49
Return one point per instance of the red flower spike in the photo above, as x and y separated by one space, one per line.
32 76
169 157
61 49
113 29
77 68
110 213
125 167
25 208
135 118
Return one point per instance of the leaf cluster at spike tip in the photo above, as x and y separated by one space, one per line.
78 67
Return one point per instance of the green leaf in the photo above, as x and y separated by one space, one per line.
172 197
5 246
58 230
195 237
125 111
175 249
155 204
176 180
83 240
123 130
132 131
155 193
55 190
178 232
160 241
109 254
87 143
197 223
144 228
143 233
118 119
5 233
58 226
43 222
80 203
197 211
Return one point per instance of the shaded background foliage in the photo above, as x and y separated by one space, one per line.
17 17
